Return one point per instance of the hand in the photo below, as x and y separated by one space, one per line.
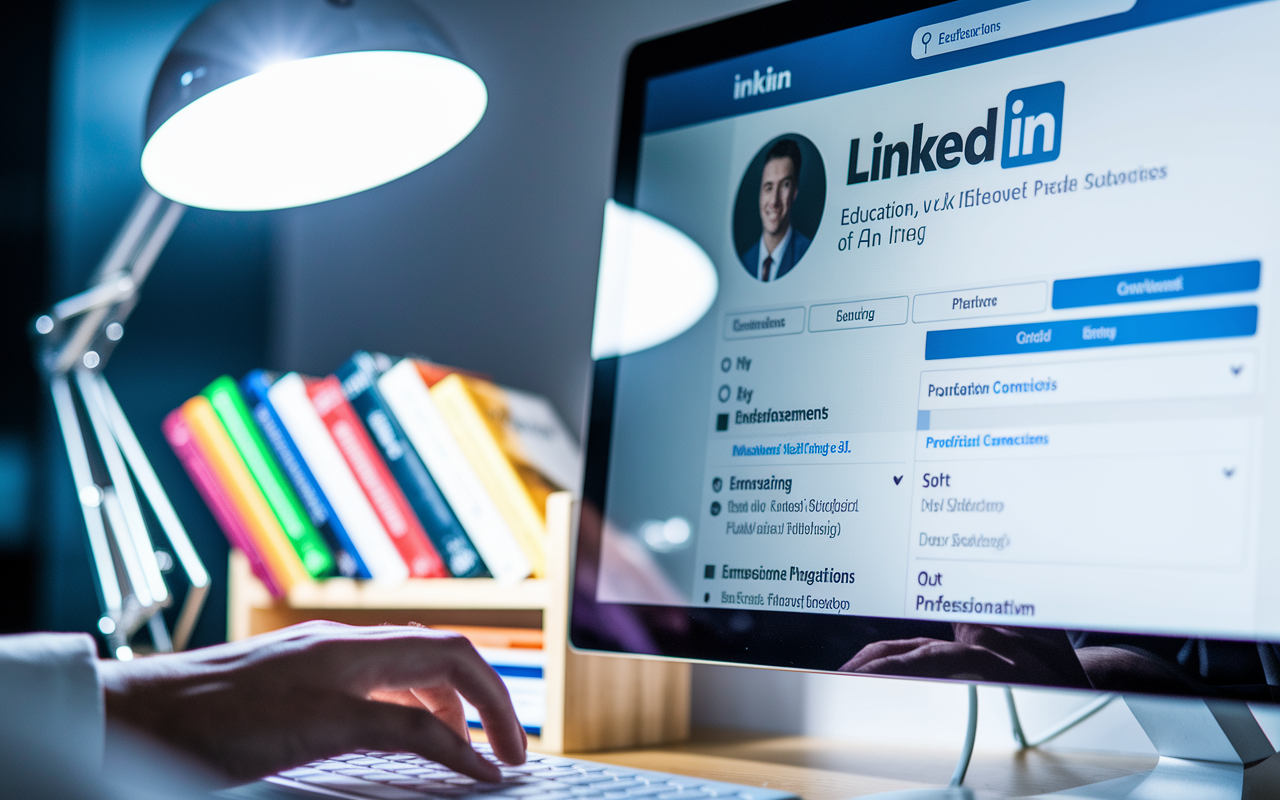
314 690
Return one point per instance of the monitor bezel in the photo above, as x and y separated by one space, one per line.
786 640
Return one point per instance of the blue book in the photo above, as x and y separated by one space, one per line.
359 382
255 386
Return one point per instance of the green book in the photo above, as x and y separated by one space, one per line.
235 416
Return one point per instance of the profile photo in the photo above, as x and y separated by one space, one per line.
779 207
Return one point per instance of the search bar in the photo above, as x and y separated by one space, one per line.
1019 19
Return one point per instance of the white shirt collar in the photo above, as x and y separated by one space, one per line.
776 254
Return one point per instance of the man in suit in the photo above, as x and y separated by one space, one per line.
780 245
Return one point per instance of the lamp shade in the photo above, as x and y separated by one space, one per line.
264 104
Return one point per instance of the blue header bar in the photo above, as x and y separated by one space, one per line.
866 56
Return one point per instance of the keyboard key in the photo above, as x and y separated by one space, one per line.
585 779
645 791
684 794
534 766
367 774
367 761
301 772
379 791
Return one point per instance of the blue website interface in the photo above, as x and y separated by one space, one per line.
990 334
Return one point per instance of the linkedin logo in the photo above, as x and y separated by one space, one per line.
1032 125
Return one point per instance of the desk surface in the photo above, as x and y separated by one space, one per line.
826 769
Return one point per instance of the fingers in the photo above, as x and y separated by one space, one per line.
374 725
444 702
481 686
942 660
363 660
884 649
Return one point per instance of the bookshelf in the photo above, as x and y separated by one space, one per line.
593 702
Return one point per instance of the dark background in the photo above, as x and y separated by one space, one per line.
26 44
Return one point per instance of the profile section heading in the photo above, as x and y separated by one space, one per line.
869 55
1078 334
1111 380
1164 284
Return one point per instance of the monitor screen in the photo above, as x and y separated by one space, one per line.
976 386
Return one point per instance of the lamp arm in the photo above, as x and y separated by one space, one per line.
75 326
76 338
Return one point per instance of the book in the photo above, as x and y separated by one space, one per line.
359 377
407 394
180 438
260 522
255 386
531 432
224 395
375 479
292 404
519 498
497 638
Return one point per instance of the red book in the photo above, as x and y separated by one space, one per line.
185 447
375 478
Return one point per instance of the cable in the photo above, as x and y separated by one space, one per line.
1057 730
970 735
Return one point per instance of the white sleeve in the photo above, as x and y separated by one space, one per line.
49 691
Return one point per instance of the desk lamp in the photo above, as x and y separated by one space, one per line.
259 104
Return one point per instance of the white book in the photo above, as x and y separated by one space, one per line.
544 442
406 392
289 398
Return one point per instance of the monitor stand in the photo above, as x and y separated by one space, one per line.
1209 750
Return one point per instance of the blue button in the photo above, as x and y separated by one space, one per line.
1077 334
1134 287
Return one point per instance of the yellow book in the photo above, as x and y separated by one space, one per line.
518 491
239 485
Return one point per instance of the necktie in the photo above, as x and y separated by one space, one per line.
764 268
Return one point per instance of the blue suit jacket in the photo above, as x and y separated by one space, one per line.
795 251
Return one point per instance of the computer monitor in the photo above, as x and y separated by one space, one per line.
971 381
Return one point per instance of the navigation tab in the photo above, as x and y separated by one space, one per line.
858 314
1164 284
1077 334
773 322
988 301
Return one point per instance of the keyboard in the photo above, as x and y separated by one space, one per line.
403 776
